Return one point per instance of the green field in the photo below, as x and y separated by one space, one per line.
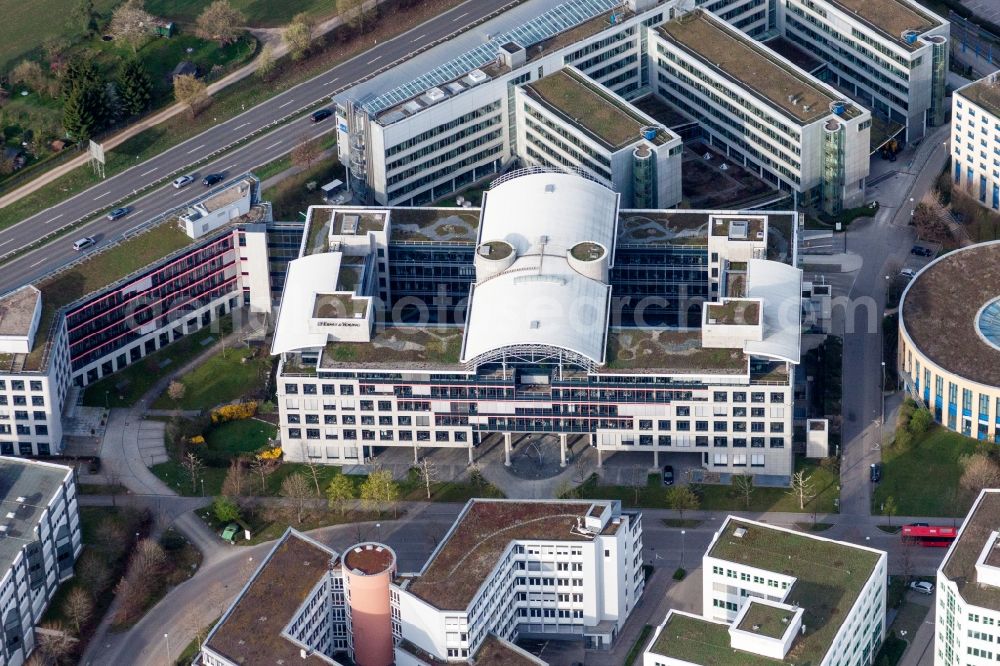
229 375
259 13
26 25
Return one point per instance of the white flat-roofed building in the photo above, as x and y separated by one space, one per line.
796 131
39 543
967 598
772 595
975 140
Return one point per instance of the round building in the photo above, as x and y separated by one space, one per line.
949 340
368 571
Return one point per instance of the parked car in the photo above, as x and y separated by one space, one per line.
875 472
668 475
921 251
86 241
230 532
908 273
118 213
212 179
322 114
922 586
183 181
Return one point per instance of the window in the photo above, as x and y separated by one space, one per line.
757 460
291 389
295 433
663 425
683 411
720 459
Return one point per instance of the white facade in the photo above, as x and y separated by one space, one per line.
975 140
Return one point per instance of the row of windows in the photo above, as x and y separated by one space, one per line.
461 135
481 112
464 147
19 384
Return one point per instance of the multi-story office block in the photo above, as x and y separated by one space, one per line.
39 543
967 599
564 570
548 310
116 306
772 595
794 130
975 140
446 117
565 119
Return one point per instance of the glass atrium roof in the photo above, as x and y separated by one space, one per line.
549 24
989 323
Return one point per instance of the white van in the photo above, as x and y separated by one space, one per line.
86 241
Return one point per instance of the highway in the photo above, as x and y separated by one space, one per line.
38 262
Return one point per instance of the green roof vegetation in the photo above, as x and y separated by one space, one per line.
97 272
497 250
586 251
333 306
769 620
494 652
829 577
702 642
318 230
735 313
891 17
648 350
961 564
398 345
985 93
434 224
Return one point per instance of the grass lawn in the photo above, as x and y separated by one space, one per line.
905 474
891 651
825 484
290 197
258 14
124 388
26 25
229 375
640 642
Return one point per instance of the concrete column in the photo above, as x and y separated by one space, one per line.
656 459
470 451
600 460
562 450
506 449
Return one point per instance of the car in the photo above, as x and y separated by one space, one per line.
875 472
183 181
922 586
322 114
927 252
118 213
230 532
908 273
86 241
668 475
212 179
917 250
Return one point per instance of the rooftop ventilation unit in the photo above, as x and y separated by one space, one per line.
21 500
476 77
435 95
11 515
740 532
350 225
738 229
550 188
534 324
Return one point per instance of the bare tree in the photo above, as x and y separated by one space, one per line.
191 91
299 35
220 22
306 152
114 483
635 478
193 466
145 569
236 478
978 471
78 608
93 572
428 474
262 469
54 643
802 488
176 391
265 62
312 469
296 488
131 24
743 485
31 74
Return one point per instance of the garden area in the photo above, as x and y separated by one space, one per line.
231 375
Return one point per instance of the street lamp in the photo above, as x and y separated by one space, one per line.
378 526
683 532
881 394
202 486
166 637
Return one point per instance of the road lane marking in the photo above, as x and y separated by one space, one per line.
286 103
146 173
274 146
177 192
459 16
6 241
332 81
102 195
195 150
53 219
40 261
243 125
378 57
231 166
412 41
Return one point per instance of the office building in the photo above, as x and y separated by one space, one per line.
39 543
949 340
563 570
548 310
975 140
793 130
772 595
967 598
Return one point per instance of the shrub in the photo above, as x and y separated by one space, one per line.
196 440
237 412
270 454
920 421
679 574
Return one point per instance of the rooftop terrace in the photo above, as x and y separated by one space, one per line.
434 224
17 310
960 567
745 62
415 347
483 532
890 17
650 227
35 483
985 93
700 641
250 634
648 351
605 118
829 577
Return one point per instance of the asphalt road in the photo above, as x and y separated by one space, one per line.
37 263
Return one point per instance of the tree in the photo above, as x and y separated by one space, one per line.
93 571
743 485
78 608
903 439
83 18
131 24
135 88
236 478
221 22
175 391
379 491
339 493
79 119
306 152
225 509
296 488
29 73
265 62
920 421
298 35
54 643
978 472
889 508
261 469
192 92
681 499
352 12
193 466
428 474
802 488
313 469
635 478
145 570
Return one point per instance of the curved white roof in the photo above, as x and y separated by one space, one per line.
306 276
779 286
540 300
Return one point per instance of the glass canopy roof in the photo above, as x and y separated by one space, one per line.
989 323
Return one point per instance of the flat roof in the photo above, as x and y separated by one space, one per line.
700 641
746 62
434 225
250 632
330 306
369 558
494 651
829 576
653 350
461 563
735 312
765 619
35 484
413 347
602 115
660 228
985 93
940 308
960 564
17 310
890 17
223 198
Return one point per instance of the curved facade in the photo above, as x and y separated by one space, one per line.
949 340
368 571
